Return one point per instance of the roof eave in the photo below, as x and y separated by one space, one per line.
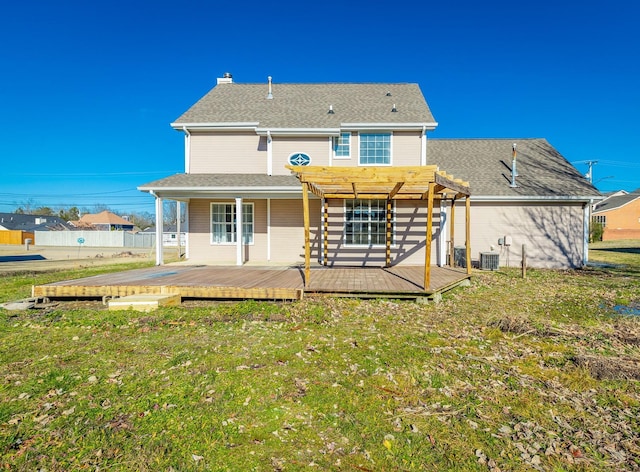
429 126
535 198
231 126
238 190
250 193
298 131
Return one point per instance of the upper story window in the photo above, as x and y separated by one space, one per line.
375 149
342 146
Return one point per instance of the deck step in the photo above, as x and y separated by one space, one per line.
144 302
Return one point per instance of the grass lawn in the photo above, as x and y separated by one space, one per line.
541 373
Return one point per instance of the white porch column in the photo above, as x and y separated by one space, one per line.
442 235
268 229
159 230
178 217
239 259
586 225
186 230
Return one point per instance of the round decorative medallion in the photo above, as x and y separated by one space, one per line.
299 159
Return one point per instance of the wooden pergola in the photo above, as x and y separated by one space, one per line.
426 183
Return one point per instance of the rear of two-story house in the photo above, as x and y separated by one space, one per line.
239 138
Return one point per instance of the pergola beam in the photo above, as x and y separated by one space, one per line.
395 190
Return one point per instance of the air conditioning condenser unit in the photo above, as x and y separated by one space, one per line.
489 261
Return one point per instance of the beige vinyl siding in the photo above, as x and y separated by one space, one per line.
287 233
317 148
219 153
232 153
201 250
287 230
406 148
552 233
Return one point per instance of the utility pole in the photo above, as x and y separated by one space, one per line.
590 171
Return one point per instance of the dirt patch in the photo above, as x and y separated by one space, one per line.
608 368
523 327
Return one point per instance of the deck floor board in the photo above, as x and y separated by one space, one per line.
258 282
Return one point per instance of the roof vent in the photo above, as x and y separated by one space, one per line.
514 172
269 94
226 78
388 94
394 109
331 112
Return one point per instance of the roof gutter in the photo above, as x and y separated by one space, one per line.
231 126
389 126
506 198
288 189
298 131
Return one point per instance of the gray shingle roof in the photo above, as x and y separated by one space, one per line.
617 201
222 181
307 105
24 222
486 165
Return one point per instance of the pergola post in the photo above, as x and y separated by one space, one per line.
307 239
325 215
427 252
388 236
468 233
452 225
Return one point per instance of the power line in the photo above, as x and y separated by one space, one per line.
87 174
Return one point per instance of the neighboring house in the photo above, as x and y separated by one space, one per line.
17 228
31 223
239 138
103 221
169 235
619 215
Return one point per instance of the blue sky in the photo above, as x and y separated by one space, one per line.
88 89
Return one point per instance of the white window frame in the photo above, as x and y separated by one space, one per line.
380 133
369 244
248 227
336 141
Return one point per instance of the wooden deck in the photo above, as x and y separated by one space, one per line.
265 283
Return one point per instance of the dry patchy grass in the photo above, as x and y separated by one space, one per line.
508 374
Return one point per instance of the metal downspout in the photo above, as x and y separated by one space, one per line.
187 149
